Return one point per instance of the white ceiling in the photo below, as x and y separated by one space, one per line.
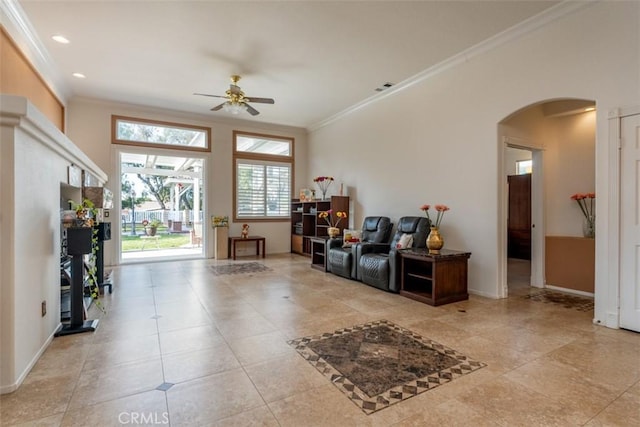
316 58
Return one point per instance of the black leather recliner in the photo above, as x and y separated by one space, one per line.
380 267
341 261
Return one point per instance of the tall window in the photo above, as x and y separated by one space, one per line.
263 176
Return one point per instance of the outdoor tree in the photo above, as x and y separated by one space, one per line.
125 191
156 186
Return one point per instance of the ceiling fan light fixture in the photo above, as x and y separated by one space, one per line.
234 107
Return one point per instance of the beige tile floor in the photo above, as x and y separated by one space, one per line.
221 340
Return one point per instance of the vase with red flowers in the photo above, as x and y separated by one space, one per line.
586 203
323 183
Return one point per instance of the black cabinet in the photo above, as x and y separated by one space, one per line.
78 244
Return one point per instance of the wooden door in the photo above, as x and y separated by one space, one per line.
519 217
629 224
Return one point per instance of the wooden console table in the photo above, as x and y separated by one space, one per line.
434 279
257 239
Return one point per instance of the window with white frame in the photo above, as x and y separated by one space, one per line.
263 176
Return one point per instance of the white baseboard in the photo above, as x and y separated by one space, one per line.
10 388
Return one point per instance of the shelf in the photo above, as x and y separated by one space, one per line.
434 279
420 276
312 226
424 297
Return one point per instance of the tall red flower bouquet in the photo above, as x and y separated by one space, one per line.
585 201
323 182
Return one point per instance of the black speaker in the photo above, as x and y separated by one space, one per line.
104 231
79 240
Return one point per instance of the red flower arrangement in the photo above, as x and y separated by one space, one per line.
440 209
323 182
585 207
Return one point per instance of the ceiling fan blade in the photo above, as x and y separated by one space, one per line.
260 100
218 107
213 96
252 110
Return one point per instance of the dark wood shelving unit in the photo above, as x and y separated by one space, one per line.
305 223
434 279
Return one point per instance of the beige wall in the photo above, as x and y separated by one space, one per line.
90 129
18 77
569 168
438 141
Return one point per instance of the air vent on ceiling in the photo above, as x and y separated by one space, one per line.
387 85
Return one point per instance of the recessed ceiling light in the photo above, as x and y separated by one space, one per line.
79 75
61 39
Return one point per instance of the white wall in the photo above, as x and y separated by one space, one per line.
437 142
34 157
89 127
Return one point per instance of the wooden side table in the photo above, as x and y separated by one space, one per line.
434 279
318 253
257 239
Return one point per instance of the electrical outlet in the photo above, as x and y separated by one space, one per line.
44 308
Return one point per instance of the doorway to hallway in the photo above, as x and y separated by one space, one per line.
560 138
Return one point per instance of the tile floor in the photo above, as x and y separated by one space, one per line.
180 345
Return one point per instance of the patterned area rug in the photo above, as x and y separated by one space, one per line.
559 298
379 363
243 268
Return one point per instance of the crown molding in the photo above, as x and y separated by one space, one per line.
515 32
17 25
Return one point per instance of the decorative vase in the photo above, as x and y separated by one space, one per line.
435 242
333 232
589 226
150 231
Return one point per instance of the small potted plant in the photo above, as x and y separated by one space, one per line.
151 227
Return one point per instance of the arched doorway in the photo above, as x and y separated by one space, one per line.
559 134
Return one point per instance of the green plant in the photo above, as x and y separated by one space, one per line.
154 223
84 209
94 287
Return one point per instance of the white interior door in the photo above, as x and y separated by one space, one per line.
630 224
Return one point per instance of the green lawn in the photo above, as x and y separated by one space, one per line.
165 241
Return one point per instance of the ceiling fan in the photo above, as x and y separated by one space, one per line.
236 99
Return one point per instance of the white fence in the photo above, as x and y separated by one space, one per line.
163 216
